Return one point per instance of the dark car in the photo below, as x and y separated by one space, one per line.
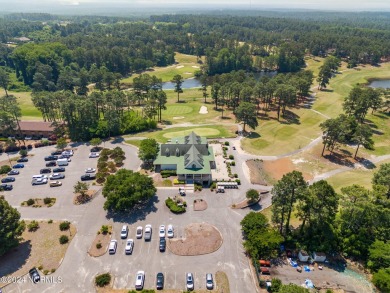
22 160
45 171
160 281
163 244
13 172
18 166
8 179
59 170
51 158
51 164
56 153
34 275
6 187
86 177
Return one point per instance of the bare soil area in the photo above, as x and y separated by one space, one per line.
104 240
200 205
256 172
40 249
201 238
276 169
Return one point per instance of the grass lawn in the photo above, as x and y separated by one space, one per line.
273 138
29 112
212 131
360 177
186 66
294 221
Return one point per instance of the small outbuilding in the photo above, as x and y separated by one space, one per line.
319 256
303 256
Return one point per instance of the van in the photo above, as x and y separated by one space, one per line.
112 247
62 162
40 176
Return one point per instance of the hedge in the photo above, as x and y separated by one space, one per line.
173 207
168 173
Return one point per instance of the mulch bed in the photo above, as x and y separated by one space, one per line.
91 193
104 240
200 205
39 203
201 238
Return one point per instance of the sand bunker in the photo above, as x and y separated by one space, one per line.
203 110
180 66
177 118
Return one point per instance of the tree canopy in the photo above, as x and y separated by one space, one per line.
148 150
127 189
11 228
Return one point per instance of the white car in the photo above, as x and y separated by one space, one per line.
170 231
124 231
148 232
112 247
90 170
67 153
189 281
139 232
56 176
39 181
93 155
161 232
209 281
139 280
129 246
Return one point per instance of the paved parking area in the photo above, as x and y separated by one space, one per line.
79 269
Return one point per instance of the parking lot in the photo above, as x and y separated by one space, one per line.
78 269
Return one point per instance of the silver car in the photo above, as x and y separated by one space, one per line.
209 281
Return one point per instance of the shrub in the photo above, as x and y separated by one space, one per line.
227 143
23 153
33 226
238 181
29 146
231 157
50 221
103 280
104 229
232 163
52 270
213 186
64 226
98 245
252 195
235 175
30 202
47 200
64 239
45 272
173 207
5 169
168 173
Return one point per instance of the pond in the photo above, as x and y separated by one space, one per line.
187 84
380 83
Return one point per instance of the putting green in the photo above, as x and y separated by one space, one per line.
177 110
207 132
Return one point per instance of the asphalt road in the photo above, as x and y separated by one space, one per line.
78 269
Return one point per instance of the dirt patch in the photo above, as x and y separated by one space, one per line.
39 202
200 205
276 169
256 172
40 249
201 238
104 240
178 117
81 200
222 282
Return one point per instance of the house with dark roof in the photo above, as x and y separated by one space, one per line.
191 157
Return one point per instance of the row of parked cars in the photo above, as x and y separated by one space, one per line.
190 284
6 180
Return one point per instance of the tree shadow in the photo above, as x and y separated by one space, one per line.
340 159
226 118
138 213
15 259
118 139
252 135
290 118
181 102
257 207
327 90
366 163
377 132
166 122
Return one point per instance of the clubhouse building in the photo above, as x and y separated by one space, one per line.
191 157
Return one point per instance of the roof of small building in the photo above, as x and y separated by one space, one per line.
304 253
36 126
319 253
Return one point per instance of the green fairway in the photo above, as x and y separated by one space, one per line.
186 65
29 112
178 110
360 177
163 136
